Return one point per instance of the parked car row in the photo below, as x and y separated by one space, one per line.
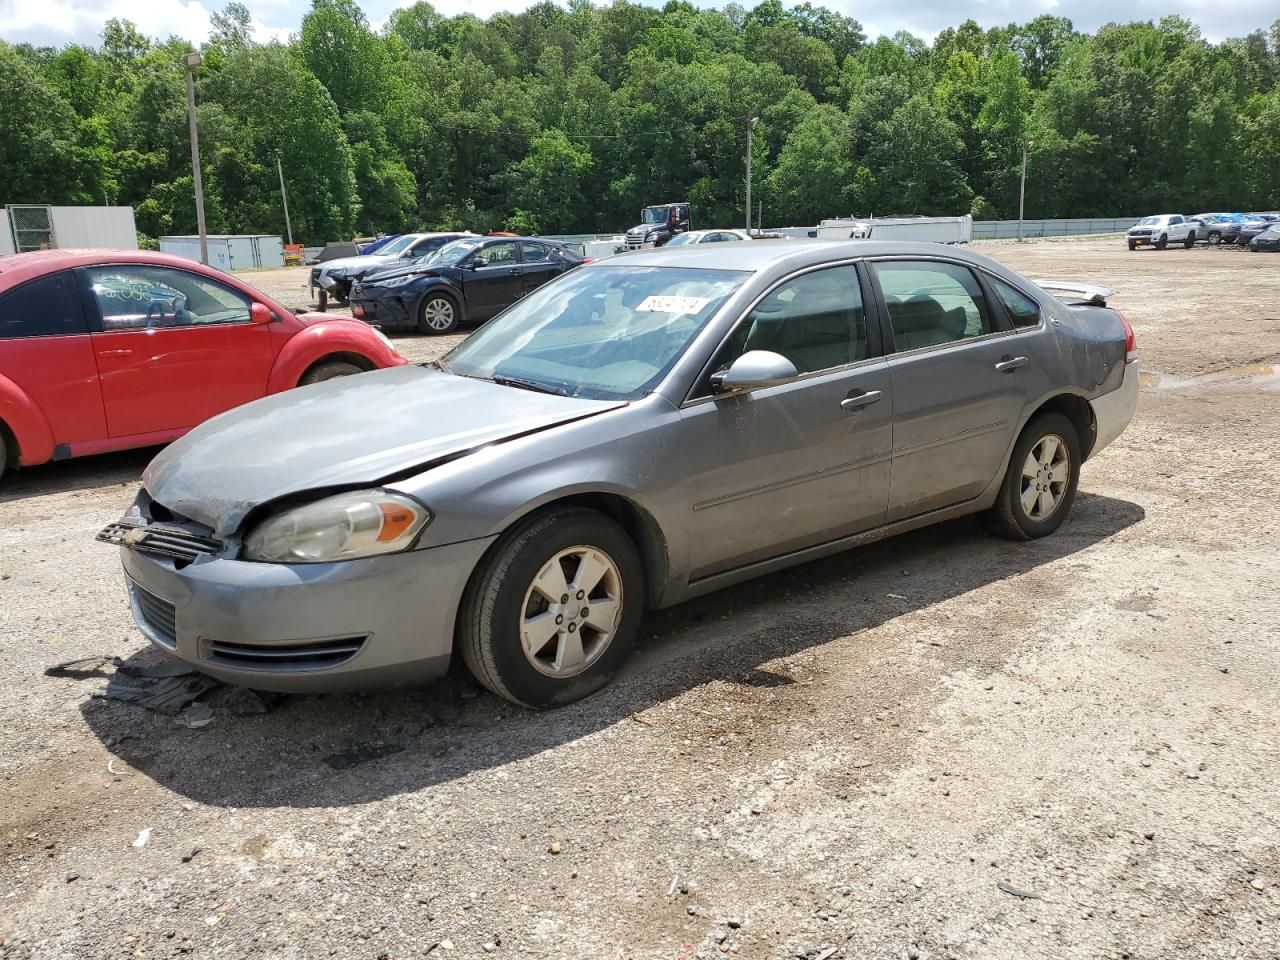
1212 228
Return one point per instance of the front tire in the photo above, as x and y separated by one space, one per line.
1190 241
1215 238
1040 485
1162 242
553 611
1133 245
438 313
329 371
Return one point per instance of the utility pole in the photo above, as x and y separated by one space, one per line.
751 126
1022 190
191 61
284 197
760 215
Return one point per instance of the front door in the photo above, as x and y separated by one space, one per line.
959 383
781 468
495 285
174 348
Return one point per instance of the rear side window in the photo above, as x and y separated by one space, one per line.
534 252
931 303
1022 310
45 307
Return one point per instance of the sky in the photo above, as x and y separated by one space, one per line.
57 22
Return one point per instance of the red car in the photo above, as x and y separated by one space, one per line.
106 349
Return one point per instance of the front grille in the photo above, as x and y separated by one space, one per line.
176 543
160 615
284 657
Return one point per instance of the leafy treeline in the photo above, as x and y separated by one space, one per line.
570 119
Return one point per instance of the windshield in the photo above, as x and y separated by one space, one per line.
398 245
1149 221
653 215
680 239
607 332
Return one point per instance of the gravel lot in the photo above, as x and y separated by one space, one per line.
843 761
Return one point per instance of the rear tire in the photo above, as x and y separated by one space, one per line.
1162 242
329 371
1215 238
438 313
541 650
4 452
1035 497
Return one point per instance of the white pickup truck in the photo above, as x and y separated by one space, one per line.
1161 231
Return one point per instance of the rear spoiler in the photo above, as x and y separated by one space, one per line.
1083 294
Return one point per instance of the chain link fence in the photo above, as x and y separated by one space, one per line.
32 228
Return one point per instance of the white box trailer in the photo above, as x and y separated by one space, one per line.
230 251
33 226
931 229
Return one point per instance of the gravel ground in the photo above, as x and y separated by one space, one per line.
847 760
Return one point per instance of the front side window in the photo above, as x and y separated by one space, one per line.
499 254
607 332
931 303
48 306
817 321
136 296
1022 310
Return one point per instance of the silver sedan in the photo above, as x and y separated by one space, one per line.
640 431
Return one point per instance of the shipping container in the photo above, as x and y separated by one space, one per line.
230 251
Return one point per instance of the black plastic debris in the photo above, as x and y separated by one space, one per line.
85 669
165 687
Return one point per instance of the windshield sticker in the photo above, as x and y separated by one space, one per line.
672 304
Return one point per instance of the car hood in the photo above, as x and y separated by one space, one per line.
344 433
370 261
646 227
412 270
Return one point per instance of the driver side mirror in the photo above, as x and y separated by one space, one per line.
755 368
478 262
260 313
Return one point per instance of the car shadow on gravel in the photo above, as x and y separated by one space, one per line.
82 473
340 749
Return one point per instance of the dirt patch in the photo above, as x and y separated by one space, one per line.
864 755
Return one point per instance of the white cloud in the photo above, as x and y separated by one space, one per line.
57 22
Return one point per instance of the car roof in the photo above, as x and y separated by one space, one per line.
760 255
21 267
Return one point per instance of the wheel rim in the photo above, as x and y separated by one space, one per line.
1045 474
571 611
437 313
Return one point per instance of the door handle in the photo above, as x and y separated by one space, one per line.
115 353
857 400
1008 363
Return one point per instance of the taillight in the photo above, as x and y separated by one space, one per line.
1130 343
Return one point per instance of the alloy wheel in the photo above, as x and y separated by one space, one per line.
1045 474
571 611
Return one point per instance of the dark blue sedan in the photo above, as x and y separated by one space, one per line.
468 280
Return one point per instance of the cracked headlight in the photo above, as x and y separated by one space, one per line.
347 526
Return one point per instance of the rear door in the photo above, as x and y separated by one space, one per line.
47 353
497 284
538 264
959 375
782 468
173 347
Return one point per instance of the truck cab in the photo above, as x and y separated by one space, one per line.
658 224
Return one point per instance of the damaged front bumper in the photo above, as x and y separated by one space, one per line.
375 622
